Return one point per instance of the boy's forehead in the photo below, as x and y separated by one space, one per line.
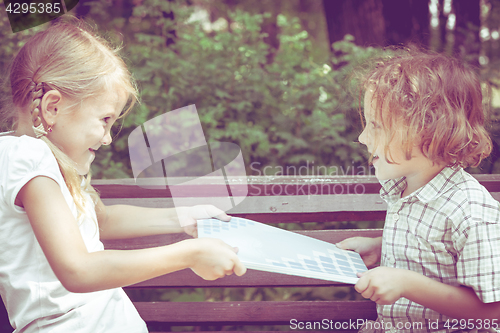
368 104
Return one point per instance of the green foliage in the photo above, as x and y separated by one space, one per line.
290 112
11 43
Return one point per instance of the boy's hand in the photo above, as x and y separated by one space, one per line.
383 285
368 248
189 215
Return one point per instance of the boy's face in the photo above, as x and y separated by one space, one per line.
374 137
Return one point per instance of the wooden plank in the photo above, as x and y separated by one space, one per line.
133 191
288 208
331 236
187 279
254 313
252 278
254 185
258 186
277 209
294 331
223 330
314 217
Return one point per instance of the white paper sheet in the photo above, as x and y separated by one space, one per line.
266 248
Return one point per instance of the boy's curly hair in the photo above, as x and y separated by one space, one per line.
436 102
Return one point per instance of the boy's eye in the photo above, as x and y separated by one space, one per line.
106 120
375 125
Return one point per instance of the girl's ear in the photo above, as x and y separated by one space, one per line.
50 106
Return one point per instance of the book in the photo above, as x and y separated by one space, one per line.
271 249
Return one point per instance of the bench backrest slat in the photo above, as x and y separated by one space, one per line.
187 279
263 313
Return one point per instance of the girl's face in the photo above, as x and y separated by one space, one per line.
80 133
418 170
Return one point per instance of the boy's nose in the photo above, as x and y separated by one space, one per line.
362 137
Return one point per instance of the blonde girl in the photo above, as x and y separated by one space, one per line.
68 88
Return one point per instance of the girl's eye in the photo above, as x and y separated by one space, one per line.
375 125
106 120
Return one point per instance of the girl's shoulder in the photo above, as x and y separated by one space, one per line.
22 144
25 154
22 159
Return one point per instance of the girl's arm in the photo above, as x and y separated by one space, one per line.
80 271
386 285
124 221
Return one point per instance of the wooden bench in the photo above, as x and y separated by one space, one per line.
270 200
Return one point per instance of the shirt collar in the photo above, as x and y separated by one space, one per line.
392 189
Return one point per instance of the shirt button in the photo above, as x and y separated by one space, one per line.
395 217
391 260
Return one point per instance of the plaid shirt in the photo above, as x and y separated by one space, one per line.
449 231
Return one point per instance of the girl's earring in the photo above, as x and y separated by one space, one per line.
49 129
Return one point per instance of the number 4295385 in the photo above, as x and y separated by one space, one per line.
33 8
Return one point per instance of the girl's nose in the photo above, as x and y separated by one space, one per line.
106 140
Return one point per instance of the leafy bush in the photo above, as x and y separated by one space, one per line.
290 112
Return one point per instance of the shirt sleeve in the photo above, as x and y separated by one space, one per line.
25 159
478 265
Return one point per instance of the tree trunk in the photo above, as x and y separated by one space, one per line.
421 22
406 21
443 30
362 19
468 21
270 27
398 21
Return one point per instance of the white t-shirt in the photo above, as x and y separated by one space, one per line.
35 299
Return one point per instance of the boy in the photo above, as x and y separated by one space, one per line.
441 243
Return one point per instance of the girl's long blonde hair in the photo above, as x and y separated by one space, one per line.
70 58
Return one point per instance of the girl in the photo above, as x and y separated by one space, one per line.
441 241
68 88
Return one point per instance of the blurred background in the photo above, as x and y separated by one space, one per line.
276 77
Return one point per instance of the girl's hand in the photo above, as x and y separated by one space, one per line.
369 248
214 259
189 215
383 285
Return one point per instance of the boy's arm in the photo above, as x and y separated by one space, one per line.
124 221
386 285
